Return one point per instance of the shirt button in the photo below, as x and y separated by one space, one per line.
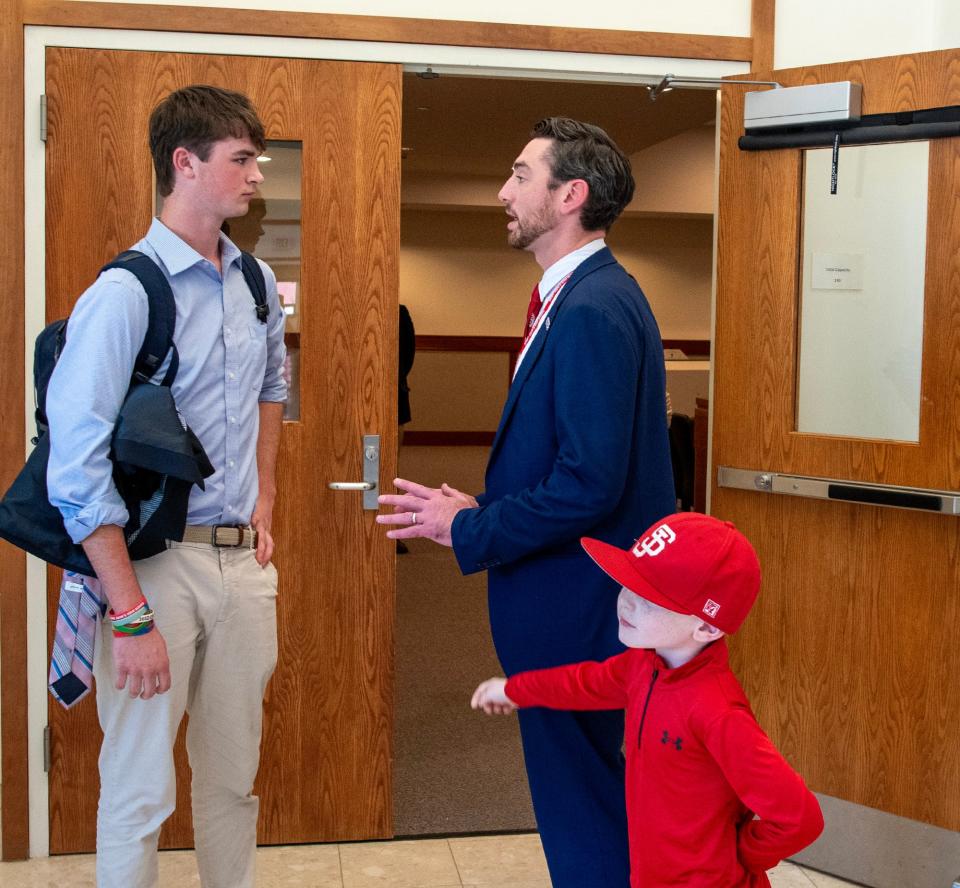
233 419
230 375
230 463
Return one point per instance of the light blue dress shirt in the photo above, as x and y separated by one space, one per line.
229 363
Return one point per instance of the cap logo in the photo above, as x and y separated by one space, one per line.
711 608
655 543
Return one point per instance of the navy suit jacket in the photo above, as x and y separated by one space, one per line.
582 450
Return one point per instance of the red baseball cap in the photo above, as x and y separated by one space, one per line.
688 563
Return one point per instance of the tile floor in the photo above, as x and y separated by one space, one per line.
510 861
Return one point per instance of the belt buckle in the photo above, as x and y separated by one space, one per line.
241 531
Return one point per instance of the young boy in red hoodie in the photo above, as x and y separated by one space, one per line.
710 801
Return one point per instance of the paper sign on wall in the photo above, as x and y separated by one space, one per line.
837 271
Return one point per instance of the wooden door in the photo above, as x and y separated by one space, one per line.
850 655
326 763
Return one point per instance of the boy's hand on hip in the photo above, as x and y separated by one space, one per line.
492 698
142 664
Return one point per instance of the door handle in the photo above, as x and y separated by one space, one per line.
371 474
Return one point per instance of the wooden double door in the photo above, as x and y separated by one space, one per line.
326 763
850 655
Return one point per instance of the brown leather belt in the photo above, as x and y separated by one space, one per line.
229 536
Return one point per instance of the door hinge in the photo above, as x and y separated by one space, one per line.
43 118
46 749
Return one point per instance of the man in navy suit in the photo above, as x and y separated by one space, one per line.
581 450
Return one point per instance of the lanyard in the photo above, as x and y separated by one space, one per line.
544 311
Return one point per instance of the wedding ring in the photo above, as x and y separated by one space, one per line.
413 517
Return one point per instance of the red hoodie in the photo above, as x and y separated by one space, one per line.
699 768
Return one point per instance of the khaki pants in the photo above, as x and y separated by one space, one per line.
216 609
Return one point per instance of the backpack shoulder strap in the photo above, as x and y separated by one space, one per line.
161 319
253 275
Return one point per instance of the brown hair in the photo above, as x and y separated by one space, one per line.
584 151
194 118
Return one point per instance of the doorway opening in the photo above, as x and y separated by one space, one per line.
457 771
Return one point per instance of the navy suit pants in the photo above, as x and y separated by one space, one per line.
575 766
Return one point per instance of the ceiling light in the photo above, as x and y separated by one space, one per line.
264 159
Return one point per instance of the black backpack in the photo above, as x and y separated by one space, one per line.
160 326
27 519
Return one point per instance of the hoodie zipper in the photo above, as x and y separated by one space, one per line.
643 716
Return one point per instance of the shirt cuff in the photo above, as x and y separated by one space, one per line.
273 394
88 519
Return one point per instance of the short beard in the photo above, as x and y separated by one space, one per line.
525 234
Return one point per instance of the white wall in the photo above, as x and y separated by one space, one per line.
813 32
672 176
676 175
459 277
727 17
807 32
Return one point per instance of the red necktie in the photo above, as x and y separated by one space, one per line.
533 309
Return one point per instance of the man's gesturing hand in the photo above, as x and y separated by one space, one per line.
423 511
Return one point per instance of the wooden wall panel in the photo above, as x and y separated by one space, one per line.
848 657
13 637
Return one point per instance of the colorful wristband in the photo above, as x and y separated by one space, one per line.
129 631
117 617
139 621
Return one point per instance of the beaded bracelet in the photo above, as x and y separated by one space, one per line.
139 621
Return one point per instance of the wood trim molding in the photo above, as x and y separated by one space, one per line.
762 19
447 439
327 26
14 817
469 343
692 348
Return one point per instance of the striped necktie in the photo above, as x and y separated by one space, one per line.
78 617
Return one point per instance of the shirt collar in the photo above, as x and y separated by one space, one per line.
177 255
566 265
714 654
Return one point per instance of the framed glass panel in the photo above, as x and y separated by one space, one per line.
863 255
271 231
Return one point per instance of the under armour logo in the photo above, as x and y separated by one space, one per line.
676 741
655 543
711 608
